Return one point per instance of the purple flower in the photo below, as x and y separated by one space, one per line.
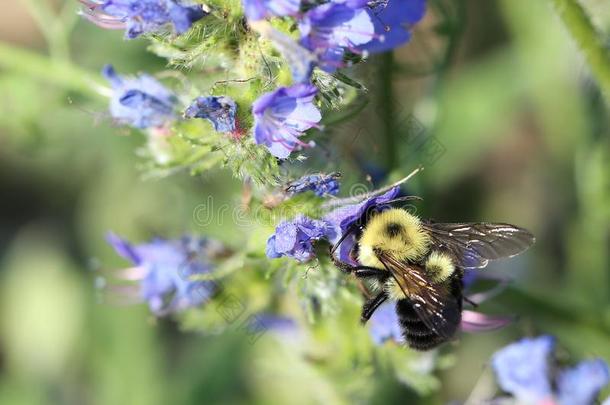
220 111
140 102
281 116
384 325
524 370
393 20
163 270
581 384
138 17
295 238
259 9
320 184
342 218
327 30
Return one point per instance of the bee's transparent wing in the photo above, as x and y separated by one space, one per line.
473 245
433 303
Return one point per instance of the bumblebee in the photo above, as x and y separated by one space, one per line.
420 265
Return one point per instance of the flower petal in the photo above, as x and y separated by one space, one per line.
522 368
581 384
477 322
384 325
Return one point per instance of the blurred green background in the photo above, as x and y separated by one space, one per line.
513 130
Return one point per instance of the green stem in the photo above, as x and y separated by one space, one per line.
59 73
588 39
386 109
55 28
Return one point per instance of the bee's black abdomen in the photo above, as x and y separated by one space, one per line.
416 333
424 342
409 321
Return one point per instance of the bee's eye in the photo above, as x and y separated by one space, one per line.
393 229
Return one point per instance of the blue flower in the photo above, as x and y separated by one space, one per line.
220 111
164 269
384 325
281 116
295 238
581 384
327 30
141 102
342 218
524 370
393 20
138 17
259 9
320 184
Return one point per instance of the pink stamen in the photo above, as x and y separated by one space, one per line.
132 273
478 322
310 123
283 142
123 290
91 5
297 141
100 21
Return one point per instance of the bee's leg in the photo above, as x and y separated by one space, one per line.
358 271
371 305
471 302
346 267
367 272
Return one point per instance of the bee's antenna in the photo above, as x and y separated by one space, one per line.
402 199
374 193
343 237
471 302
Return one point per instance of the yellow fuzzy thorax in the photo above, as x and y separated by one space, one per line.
396 232
439 266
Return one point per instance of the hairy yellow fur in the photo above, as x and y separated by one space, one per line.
439 266
408 242
393 290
